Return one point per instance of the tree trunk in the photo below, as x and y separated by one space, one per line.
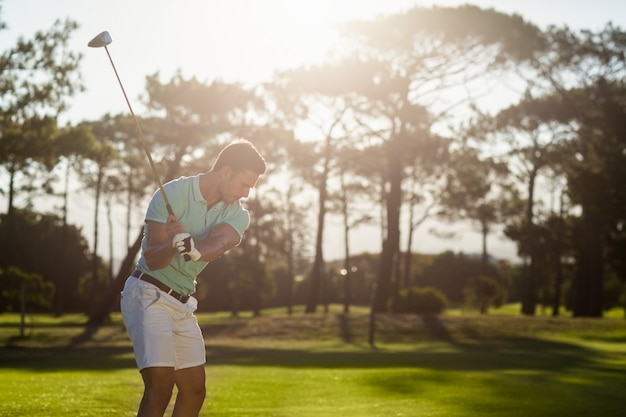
395 282
59 293
372 328
346 243
392 240
529 296
406 274
316 272
110 225
485 254
589 278
129 205
347 290
10 224
558 266
318 263
290 273
94 257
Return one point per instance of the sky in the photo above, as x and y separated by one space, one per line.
243 41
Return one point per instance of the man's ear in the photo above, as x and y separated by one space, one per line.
226 172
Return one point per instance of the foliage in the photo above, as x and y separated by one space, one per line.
483 292
28 287
377 155
44 248
425 300
451 273
38 75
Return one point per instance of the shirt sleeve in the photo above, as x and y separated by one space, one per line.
157 212
240 220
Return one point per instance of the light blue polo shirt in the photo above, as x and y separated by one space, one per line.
191 210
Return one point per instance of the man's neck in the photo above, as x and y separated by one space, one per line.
209 188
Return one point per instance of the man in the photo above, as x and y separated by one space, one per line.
156 303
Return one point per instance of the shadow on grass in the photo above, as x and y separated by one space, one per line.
57 359
509 354
560 392
423 343
436 328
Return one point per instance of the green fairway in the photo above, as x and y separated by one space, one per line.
320 365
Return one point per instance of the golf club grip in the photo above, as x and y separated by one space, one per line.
170 211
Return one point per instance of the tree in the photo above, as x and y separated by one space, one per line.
451 273
41 256
583 76
72 144
483 292
579 86
39 75
425 182
36 77
25 150
94 172
305 95
595 176
421 54
289 247
352 188
532 142
476 190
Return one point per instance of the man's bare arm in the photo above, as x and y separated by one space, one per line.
159 251
223 238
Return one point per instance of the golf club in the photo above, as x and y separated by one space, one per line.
102 40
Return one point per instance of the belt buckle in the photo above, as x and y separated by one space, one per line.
180 297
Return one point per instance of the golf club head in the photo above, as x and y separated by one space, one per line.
103 39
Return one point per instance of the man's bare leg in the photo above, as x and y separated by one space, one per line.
191 391
158 385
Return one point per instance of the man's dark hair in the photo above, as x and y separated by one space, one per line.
240 155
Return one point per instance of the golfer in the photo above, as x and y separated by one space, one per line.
157 303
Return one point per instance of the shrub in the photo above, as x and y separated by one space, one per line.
484 292
422 300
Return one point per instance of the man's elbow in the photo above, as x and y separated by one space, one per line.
154 262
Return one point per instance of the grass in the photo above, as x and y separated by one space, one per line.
320 364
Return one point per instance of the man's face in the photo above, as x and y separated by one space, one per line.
237 184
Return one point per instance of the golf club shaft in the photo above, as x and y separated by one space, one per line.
141 137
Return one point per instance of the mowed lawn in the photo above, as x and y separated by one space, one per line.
321 365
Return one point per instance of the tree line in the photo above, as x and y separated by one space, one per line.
392 132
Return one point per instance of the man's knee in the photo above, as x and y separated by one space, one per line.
159 380
192 382
197 391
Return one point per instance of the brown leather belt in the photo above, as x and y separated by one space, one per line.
145 277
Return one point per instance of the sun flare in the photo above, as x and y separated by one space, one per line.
279 33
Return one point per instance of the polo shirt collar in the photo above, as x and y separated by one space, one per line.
197 195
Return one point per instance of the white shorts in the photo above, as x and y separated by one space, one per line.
164 331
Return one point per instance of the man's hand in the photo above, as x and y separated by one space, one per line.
184 244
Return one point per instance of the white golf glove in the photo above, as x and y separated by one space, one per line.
184 244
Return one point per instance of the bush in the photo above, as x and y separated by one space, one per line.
484 292
37 292
422 300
